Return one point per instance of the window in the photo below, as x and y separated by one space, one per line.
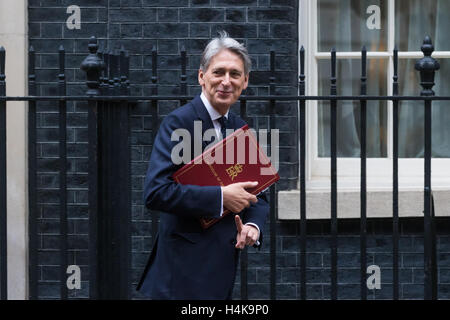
379 25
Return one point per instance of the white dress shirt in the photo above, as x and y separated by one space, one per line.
215 115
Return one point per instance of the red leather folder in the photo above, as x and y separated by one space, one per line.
237 158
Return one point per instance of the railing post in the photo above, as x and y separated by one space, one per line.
434 271
154 115
32 181
363 191
333 170
122 175
427 67
92 65
100 54
244 252
62 174
105 80
110 90
127 72
302 139
116 67
3 206
273 218
183 84
123 73
395 221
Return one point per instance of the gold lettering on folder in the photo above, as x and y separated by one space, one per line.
234 170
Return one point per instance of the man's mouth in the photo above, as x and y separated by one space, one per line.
221 92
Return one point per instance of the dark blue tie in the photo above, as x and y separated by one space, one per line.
223 125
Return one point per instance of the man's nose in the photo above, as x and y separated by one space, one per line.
226 79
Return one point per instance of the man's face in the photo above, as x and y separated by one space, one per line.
224 80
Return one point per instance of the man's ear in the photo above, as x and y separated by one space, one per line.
246 81
201 74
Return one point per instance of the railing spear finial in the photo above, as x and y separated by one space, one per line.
93 66
427 67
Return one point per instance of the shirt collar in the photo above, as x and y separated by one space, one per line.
213 113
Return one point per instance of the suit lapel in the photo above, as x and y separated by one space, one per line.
203 115
231 121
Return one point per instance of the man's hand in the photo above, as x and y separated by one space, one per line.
247 235
235 198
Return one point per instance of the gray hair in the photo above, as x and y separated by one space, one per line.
225 42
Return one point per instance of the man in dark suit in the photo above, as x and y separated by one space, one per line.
188 262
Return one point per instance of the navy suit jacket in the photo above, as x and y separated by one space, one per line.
188 262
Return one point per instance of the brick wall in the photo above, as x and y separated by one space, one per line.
169 25
379 252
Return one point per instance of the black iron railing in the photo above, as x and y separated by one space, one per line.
109 103
3 234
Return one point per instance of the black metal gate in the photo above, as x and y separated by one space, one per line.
109 104
109 175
